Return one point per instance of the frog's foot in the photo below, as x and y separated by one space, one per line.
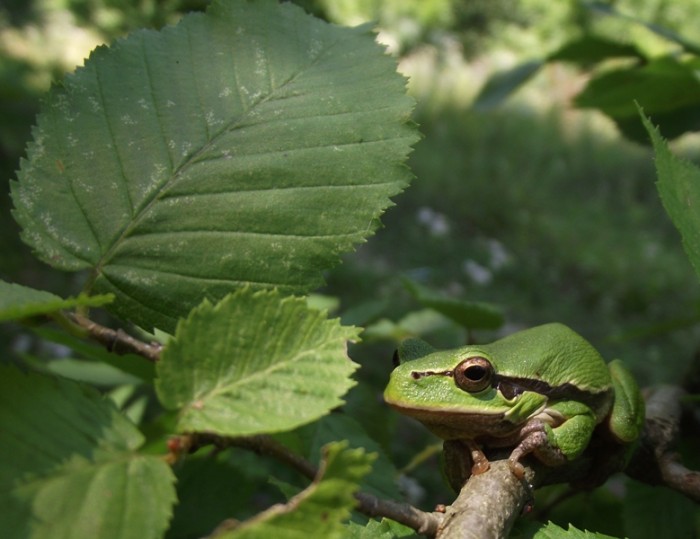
535 440
480 463
517 468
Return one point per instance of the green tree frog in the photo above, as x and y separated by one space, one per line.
543 391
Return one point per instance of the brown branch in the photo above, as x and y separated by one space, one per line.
489 504
117 341
655 462
422 522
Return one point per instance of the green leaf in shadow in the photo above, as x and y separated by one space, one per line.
667 88
590 49
70 466
17 301
319 510
503 84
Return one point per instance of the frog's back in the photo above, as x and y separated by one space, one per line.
553 353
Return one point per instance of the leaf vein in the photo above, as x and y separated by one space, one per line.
274 189
196 278
271 234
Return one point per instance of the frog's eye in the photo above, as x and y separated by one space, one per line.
474 374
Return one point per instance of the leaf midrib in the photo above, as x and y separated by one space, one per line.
220 389
191 160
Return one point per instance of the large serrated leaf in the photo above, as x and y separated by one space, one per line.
69 466
256 362
319 510
248 145
17 301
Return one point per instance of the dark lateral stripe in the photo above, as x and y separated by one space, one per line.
511 386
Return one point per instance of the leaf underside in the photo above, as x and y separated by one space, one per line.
249 145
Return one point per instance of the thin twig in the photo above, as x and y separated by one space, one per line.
656 461
117 341
422 522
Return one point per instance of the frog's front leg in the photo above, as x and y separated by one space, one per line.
554 445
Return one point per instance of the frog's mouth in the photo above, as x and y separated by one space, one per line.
457 425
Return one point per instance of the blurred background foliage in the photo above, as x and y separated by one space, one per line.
535 207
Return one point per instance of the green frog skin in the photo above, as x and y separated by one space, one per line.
542 391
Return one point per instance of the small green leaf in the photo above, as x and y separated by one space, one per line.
503 84
552 531
255 362
382 481
590 49
70 466
318 511
375 530
252 144
468 314
386 529
678 182
17 301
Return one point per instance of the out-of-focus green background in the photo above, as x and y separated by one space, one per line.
538 207
535 206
